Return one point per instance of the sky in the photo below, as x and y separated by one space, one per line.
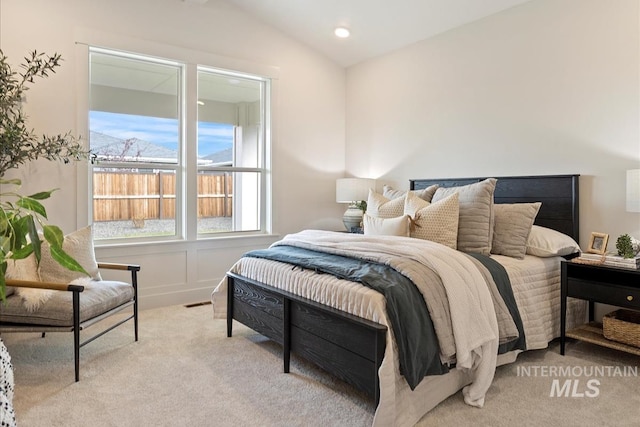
212 137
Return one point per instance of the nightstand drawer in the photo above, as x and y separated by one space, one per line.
620 296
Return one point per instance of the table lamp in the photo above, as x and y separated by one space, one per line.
352 191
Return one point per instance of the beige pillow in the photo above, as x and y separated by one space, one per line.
475 223
545 242
425 194
79 245
398 226
437 222
512 227
379 206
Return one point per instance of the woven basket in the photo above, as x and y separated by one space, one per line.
622 326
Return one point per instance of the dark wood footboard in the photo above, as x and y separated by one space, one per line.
347 346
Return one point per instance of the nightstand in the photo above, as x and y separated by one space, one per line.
597 283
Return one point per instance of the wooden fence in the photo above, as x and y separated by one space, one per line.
133 195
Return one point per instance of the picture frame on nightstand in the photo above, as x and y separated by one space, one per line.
598 243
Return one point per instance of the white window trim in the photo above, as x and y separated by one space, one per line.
192 58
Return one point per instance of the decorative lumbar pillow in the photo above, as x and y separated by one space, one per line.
475 223
79 245
437 222
545 242
398 226
379 206
425 194
512 227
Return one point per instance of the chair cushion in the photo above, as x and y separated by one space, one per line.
96 299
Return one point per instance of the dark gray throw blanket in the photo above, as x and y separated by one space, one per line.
418 348
501 278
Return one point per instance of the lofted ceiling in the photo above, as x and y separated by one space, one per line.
377 26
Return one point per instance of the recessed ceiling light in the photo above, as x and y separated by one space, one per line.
200 102
342 32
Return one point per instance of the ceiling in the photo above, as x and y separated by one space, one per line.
377 26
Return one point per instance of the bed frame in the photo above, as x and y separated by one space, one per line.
352 348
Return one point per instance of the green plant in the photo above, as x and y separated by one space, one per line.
625 246
22 216
362 205
18 143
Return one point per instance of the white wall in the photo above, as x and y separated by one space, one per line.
308 147
548 87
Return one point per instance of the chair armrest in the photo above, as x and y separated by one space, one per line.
133 268
118 266
45 285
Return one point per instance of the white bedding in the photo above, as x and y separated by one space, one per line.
536 289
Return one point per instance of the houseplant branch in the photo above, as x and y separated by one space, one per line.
21 217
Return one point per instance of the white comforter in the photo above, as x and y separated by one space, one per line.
475 328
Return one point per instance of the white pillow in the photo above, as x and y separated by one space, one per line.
475 225
513 222
425 194
21 269
79 245
398 226
545 242
27 269
379 206
437 222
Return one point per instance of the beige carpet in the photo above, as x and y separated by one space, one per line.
184 371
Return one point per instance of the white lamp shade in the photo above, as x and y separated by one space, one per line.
633 190
349 190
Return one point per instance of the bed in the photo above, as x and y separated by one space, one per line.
344 327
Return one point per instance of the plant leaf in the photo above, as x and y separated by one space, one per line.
10 181
53 234
18 231
33 237
42 195
66 260
32 205
22 253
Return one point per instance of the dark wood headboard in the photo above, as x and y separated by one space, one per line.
558 194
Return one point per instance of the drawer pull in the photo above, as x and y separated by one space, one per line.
630 298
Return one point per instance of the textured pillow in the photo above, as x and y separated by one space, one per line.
512 227
79 245
545 242
475 223
27 269
398 226
436 221
21 269
425 194
379 206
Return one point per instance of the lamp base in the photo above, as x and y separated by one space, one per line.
352 218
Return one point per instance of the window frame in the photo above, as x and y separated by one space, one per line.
187 167
265 97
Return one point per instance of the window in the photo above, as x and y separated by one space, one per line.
230 154
141 110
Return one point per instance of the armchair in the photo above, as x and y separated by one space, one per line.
73 307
